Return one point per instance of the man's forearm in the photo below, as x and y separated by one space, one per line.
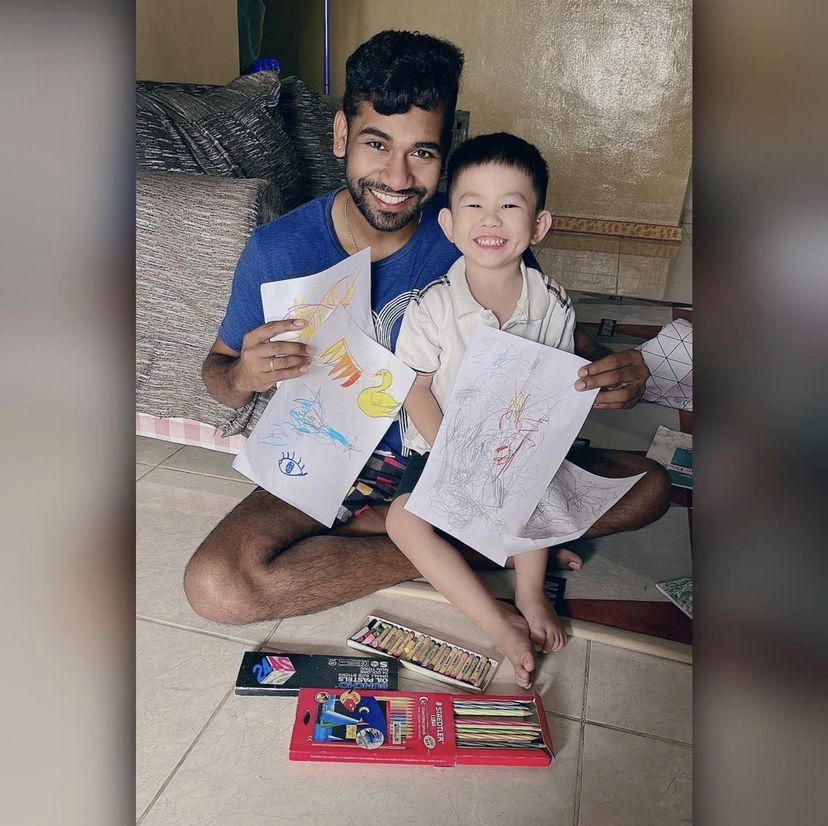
586 347
218 373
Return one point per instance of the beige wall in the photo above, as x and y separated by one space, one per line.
603 87
186 41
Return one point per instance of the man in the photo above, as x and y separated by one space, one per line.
266 559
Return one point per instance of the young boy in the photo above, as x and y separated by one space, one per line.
496 193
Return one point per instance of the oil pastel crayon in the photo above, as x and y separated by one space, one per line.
473 677
461 664
485 673
433 653
406 637
391 639
455 666
468 668
454 662
380 640
442 659
408 649
422 642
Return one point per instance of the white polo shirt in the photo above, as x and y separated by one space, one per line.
438 322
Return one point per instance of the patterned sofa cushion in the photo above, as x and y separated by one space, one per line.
308 119
190 231
234 130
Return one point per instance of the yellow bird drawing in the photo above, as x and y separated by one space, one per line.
375 401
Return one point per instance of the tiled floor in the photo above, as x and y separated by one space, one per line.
620 721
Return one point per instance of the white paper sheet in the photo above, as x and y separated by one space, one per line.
320 429
513 416
313 297
573 502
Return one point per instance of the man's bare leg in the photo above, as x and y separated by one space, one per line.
647 501
267 560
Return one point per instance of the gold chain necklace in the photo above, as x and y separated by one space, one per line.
348 224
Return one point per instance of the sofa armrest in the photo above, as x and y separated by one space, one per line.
190 231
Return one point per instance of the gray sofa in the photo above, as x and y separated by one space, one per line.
213 163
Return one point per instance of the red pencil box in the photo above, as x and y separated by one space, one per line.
421 728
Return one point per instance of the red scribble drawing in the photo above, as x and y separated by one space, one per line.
517 428
343 365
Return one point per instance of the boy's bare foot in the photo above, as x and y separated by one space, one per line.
371 522
513 640
546 630
568 559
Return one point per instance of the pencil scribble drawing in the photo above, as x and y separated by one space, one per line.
490 438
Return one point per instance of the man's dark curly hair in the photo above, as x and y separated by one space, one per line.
394 71
503 149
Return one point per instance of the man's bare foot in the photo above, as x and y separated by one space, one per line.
546 630
513 640
371 522
568 559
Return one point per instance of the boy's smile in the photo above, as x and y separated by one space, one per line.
493 216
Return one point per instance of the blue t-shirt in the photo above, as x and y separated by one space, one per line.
303 242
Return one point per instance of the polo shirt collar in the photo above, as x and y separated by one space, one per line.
531 305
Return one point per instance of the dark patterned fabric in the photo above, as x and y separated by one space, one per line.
190 231
308 119
234 130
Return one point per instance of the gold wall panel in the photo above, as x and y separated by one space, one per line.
603 88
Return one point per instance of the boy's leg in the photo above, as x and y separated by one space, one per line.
545 628
446 569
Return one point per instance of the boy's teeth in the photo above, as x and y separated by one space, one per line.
389 199
490 242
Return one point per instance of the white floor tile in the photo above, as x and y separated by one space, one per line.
181 677
640 692
175 511
152 451
627 565
629 780
202 460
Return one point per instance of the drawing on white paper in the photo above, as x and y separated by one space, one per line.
375 401
344 286
490 439
344 367
291 465
312 439
314 311
306 416
570 501
505 432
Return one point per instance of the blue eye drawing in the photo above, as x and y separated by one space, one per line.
291 466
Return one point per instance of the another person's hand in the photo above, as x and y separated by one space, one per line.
263 362
621 376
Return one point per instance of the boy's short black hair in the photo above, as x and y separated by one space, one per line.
505 149
394 71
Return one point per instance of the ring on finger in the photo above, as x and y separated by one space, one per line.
272 367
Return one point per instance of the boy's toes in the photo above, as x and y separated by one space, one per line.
559 641
538 638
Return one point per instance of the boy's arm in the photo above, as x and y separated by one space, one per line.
423 409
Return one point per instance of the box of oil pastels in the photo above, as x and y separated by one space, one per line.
284 674
427 655
420 727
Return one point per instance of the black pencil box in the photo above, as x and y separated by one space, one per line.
263 673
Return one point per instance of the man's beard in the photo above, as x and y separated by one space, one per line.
378 219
